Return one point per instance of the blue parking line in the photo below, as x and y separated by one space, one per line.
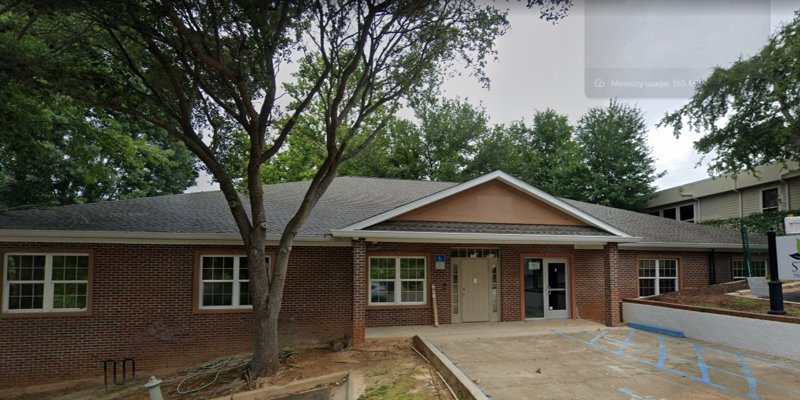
701 364
627 342
662 352
751 380
600 335
720 370
704 377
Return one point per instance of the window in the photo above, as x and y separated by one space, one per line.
668 213
657 277
656 213
397 280
225 281
45 282
757 268
687 213
769 200
474 252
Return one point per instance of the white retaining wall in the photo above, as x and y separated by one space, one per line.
780 339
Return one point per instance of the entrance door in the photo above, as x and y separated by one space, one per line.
556 289
475 290
545 285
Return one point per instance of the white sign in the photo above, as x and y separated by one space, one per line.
788 248
792 225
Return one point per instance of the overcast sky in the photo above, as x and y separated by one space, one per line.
643 52
542 65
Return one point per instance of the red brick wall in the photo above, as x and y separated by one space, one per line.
413 315
143 297
142 308
693 269
589 286
590 289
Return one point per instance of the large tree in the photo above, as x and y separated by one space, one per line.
543 154
449 133
56 151
619 168
748 112
206 72
438 146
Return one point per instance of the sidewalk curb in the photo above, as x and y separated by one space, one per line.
463 387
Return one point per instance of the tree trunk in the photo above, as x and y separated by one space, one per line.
265 323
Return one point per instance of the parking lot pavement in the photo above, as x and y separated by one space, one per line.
619 363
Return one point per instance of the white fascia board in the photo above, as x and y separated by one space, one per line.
687 246
460 237
498 175
66 236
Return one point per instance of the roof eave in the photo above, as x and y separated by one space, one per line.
461 237
71 236
692 245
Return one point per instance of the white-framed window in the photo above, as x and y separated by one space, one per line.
770 200
670 213
397 280
757 268
225 281
34 282
657 276
686 213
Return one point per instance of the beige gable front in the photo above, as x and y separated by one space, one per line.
491 202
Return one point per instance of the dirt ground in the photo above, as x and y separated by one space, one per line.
716 297
386 369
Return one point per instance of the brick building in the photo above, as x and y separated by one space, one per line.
163 279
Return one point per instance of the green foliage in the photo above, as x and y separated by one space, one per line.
449 130
543 154
55 150
619 168
757 223
748 112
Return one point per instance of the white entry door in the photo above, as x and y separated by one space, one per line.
475 290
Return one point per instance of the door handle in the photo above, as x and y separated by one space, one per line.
463 291
548 290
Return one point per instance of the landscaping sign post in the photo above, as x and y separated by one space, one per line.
775 288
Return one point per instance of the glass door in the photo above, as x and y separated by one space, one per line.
545 287
534 287
556 289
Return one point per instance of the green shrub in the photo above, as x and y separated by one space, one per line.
756 223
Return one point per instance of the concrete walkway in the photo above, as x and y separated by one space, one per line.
585 360
478 329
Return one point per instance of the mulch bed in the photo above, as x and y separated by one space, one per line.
715 297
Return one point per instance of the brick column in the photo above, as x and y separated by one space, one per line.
359 292
613 299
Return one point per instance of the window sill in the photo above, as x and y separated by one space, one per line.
232 310
397 307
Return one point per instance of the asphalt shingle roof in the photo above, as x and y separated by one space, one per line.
348 200
658 229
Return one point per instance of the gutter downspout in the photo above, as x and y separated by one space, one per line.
712 267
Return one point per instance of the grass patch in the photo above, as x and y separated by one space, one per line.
405 386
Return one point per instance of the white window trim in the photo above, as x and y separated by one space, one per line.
741 260
48 294
235 292
761 198
694 213
397 282
658 277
